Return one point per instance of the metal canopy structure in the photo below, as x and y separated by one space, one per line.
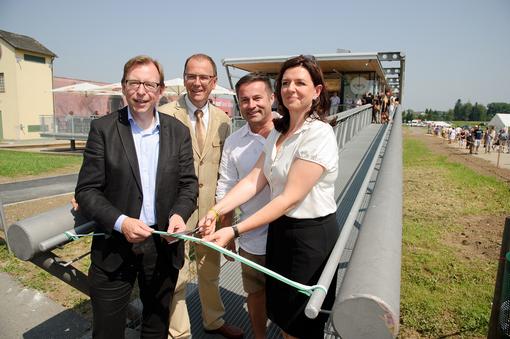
394 70
330 63
388 66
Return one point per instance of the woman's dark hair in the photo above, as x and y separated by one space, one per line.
320 106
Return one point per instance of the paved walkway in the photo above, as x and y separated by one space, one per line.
27 313
498 159
37 188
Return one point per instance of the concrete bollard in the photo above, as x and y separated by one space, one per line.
26 236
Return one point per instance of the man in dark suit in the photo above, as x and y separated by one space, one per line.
137 176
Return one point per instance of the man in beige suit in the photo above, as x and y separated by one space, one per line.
209 128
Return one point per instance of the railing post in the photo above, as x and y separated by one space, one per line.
494 329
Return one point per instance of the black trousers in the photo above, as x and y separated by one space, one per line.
110 292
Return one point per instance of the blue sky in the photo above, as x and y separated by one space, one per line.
454 48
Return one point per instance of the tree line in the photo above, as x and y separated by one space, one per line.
461 112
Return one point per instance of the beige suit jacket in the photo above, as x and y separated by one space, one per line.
206 163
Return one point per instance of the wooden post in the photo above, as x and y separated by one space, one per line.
494 329
499 153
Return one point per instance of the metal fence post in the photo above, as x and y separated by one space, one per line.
494 330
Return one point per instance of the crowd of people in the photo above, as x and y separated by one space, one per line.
383 106
474 138
176 169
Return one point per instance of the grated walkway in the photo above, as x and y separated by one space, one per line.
354 160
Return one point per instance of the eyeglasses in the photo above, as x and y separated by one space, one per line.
148 85
202 77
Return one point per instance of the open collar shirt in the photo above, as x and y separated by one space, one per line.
241 151
147 152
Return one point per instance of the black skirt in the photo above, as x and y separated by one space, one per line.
298 249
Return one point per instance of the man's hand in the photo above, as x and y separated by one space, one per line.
175 224
135 230
76 207
208 223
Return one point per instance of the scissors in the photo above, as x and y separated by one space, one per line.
190 232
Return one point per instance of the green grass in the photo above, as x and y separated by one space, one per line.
443 293
15 163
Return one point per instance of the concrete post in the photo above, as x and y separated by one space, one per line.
25 236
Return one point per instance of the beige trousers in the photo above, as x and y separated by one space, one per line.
213 310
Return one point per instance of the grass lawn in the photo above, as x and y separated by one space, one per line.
16 164
445 293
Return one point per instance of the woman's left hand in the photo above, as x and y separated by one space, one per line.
221 237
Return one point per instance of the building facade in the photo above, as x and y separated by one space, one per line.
26 75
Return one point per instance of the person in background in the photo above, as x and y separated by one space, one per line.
300 164
209 128
478 135
137 176
241 152
335 102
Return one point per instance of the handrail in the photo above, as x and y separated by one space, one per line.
368 303
314 305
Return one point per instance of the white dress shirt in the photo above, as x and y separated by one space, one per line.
147 152
315 141
241 151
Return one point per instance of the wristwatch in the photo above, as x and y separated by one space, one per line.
236 231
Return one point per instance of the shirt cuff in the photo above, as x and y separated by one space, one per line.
118 223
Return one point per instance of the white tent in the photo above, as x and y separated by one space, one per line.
218 90
82 87
175 87
500 120
172 87
86 88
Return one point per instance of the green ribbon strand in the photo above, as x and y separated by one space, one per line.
305 289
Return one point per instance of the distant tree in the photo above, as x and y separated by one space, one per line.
466 110
408 116
478 113
497 107
449 115
457 111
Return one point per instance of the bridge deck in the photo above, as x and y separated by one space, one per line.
354 159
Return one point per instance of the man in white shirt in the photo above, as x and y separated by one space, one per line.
334 102
240 153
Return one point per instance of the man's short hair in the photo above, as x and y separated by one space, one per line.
253 77
203 57
143 60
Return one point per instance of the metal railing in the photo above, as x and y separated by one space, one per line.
349 123
66 127
367 305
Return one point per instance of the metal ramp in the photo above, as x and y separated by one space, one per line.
354 160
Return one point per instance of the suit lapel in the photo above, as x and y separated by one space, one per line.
164 141
128 144
182 115
211 127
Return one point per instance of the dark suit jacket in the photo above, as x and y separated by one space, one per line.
109 184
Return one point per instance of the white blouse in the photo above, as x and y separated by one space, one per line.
315 141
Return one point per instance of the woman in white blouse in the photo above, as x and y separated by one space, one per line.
300 164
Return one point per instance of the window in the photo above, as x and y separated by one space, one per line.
34 58
2 83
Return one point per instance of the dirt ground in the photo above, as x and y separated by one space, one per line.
482 235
